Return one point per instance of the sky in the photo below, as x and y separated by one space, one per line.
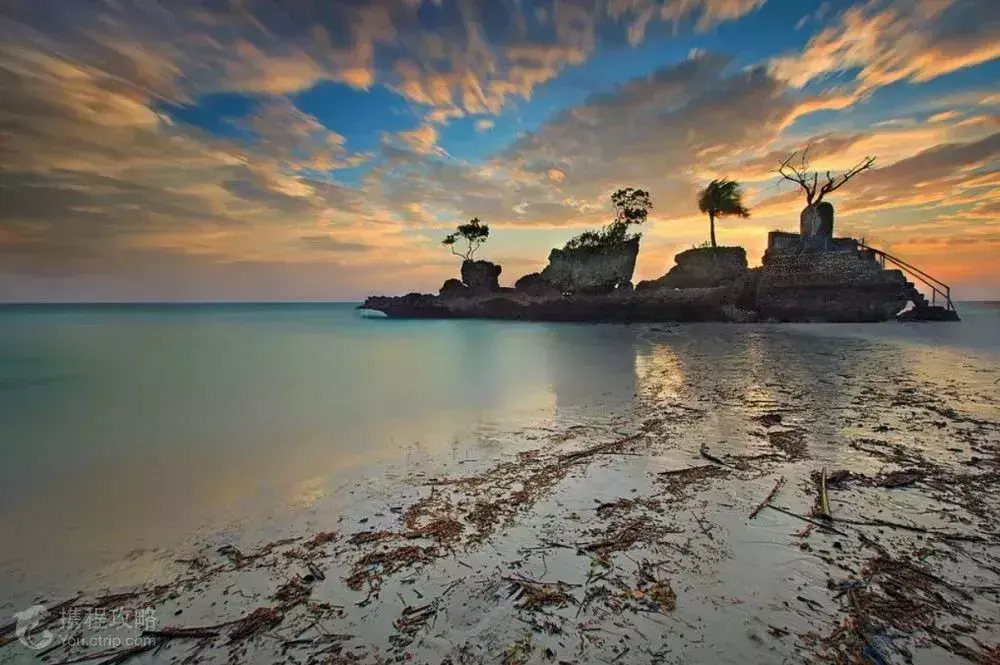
227 150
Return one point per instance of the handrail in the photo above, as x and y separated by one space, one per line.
937 286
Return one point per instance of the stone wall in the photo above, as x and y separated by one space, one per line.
829 286
703 267
782 241
592 270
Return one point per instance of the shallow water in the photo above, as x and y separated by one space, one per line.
132 434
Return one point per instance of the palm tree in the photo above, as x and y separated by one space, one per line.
722 198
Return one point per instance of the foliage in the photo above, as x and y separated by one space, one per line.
722 198
474 233
632 206
809 180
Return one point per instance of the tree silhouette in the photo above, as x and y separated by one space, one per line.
632 206
809 180
722 198
474 234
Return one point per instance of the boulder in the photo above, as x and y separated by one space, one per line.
704 267
481 275
453 288
533 284
592 269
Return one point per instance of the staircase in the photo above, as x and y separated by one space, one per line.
926 311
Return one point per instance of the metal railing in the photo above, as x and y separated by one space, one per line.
938 288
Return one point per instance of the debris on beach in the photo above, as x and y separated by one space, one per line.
571 552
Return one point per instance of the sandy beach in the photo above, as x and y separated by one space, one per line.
760 497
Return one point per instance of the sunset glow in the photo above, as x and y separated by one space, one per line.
320 149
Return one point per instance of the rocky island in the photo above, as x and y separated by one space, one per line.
809 276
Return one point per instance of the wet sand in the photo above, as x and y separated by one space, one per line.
628 538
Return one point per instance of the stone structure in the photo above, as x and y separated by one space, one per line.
782 241
839 285
592 269
703 267
816 226
481 275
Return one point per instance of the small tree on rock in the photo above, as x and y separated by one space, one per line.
722 198
474 233
632 206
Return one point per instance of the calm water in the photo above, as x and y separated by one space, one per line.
129 429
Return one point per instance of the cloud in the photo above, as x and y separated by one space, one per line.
423 139
327 243
887 42
95 180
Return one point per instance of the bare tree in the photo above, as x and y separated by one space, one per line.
810 180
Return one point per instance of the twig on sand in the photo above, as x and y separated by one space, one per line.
180 633
600 448
712 458
777 486
824 498
806 519
944 535
114 657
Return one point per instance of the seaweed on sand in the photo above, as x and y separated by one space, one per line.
898 598
372 567
679 480
535 595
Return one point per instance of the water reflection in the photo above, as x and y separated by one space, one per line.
592 367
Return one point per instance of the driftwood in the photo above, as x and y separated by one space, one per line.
598 449
767 500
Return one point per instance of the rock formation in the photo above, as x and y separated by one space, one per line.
533 284
836 282
481 275
453 288
703 267
592 269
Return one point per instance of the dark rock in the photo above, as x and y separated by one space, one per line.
533 284
623 306
704 267
592 269
835 285
453 288
481 275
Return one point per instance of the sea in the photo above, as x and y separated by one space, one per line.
131 430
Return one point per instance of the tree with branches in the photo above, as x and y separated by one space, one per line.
632 206
474 233
809 180
722 198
